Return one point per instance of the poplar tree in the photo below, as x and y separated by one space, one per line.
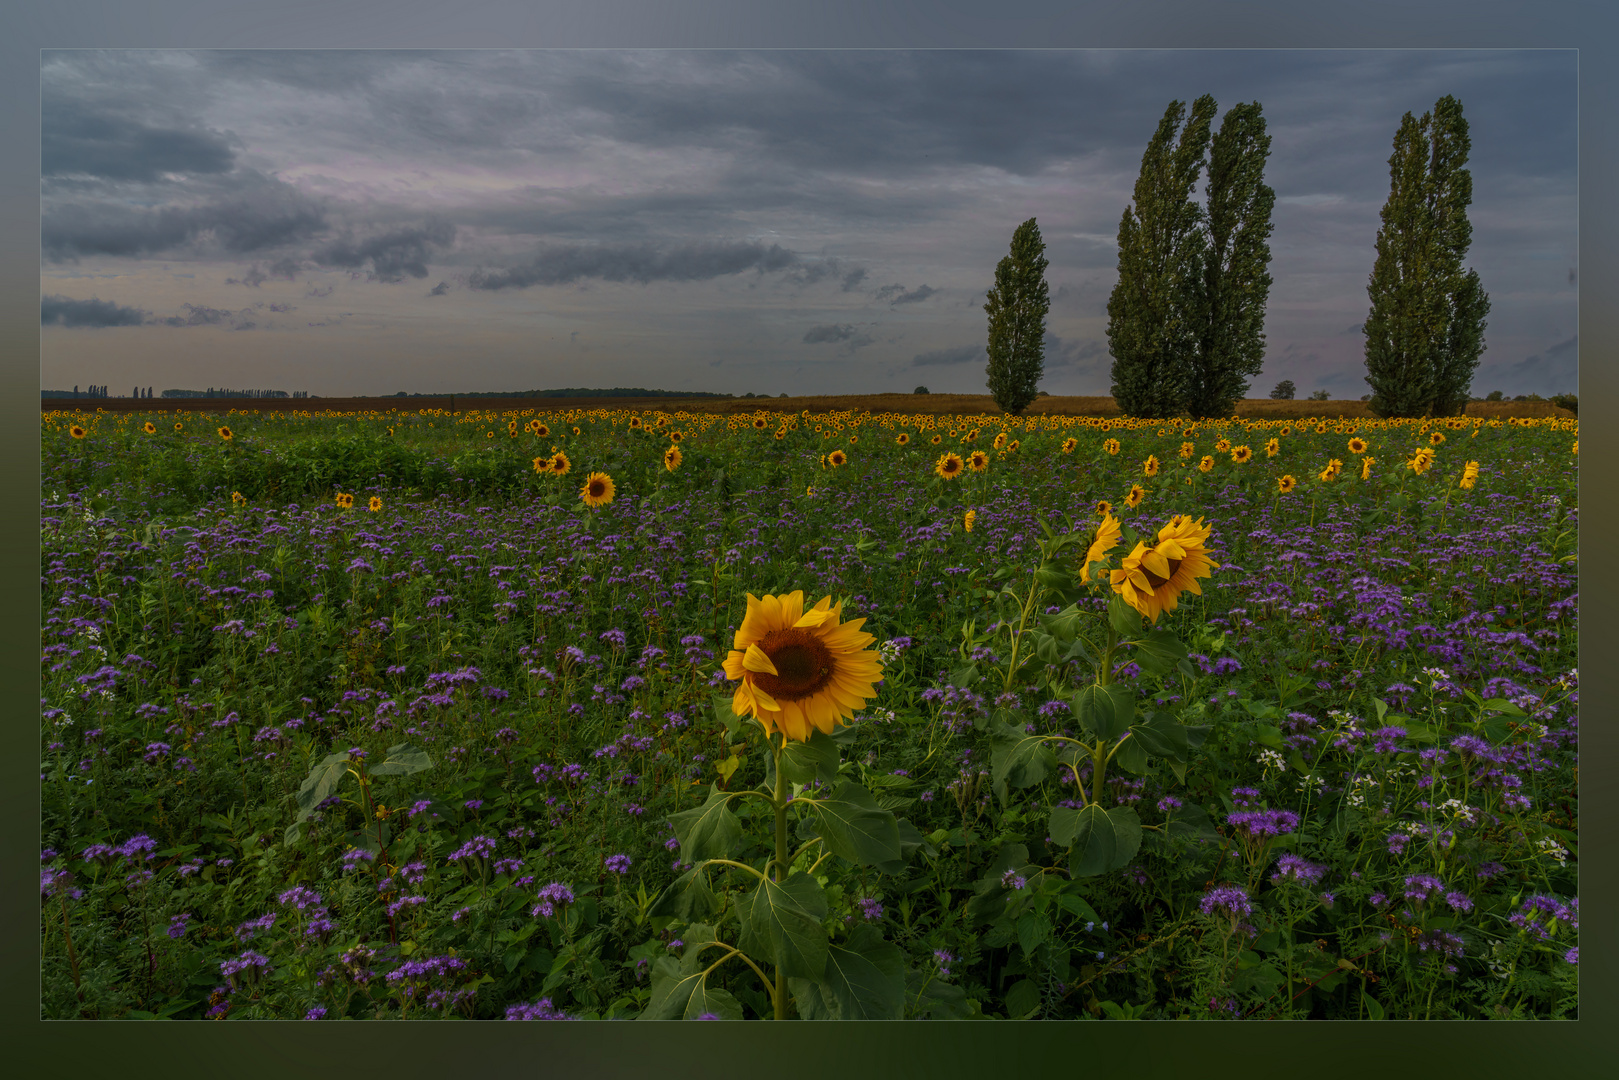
1425 331
1017 308
1152 327
1234 285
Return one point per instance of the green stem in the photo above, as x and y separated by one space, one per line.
1017 639
779 998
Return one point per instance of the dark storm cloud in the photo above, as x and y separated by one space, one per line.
1081 356
961 354
392 254
640 263
64 311
198 315
440 289
1558 364
915 296
76 140
265 214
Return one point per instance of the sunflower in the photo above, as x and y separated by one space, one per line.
675 436
1137 493
225 433
1241 454
1321 429
1104 540
1111 446
576 429
375 504
1068 445
837 458
635 423
978 461
967 522
1286 432
346 502
1000 441
1575 449
1273 448
1150 466
937 439
560 464
971 435
1366 464
800 670
1285 484
1330 473
150 428
511 427
1469 474
781 433
541 430
76 431
671 458
1188 449
1435 438
1207 464
1222 446
179 426
489 434
1421 462
902 439
853 439
1103 507
542 464
1357 446
1151 579
598 490
238 499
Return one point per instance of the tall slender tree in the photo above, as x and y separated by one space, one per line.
1425 331
1017 308
1234 285
1152 325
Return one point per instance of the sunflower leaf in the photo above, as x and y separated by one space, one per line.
709 831
1158 652
402 760
688 899
816 759
677 997
855 827
864 979
1125 619
1103 840
1105 711
781 923
1161 736
1019 760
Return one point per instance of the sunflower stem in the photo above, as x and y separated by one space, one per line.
779 998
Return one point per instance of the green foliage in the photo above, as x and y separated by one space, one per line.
1153 321
1425 330
1017 308
1231 292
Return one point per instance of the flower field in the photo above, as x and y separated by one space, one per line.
542 715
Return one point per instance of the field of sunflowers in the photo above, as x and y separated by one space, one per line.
616 714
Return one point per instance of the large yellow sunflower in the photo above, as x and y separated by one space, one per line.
978 461
1188 450
598 490
1357 446
1104 540
542 464
1137 493
1285 484
949 466
1111 446
1150 466
1151 579
1469 474
76 431
902 439
1273 448
836 458
671 458
150 428
800 670
225 433
375 504
1241 454
1068 445
560 464
1207 464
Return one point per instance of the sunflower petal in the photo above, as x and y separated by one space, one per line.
756 659
733 664
763 699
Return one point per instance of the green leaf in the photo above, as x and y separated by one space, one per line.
678 997
1103 840
855 827
1105 711
709 831
688 898
1131 756
1373 1009
1124 619
1502 705
1064 825
910 839
1022 1000
321 782
816 759
965 676
726 715
1159 652
781 923
1019 760
864 979
402 760
1161 736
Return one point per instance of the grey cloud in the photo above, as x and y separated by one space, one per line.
197 315
440 289
391 254
817 335
886 291
1083 356
1356 329
266 214
641 263
254 277
282 307
961 354
75 140
853 278
1561 360
65 311
916 295
315 292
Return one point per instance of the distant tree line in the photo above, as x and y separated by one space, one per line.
214 391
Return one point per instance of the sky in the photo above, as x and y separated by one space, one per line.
800 222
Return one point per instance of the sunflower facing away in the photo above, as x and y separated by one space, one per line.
967 521
1151 579
978 461
1104 540
1137 493
949 466
800 670
671 458
1366 464
1285 484
598 490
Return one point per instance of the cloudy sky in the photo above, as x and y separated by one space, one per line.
800 222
